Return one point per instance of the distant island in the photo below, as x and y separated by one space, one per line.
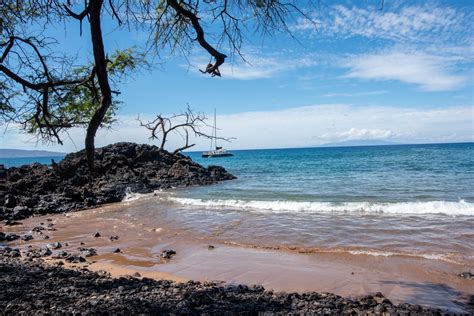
360 142
22 153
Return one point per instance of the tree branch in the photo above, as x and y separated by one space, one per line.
219 57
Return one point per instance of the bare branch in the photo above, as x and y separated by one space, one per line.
188 121
219 57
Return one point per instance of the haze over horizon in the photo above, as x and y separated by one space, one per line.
403 74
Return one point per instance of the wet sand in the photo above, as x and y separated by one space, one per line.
430 283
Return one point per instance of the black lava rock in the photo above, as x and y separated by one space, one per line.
168 253
26 237
120 168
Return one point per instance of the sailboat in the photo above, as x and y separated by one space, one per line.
219 151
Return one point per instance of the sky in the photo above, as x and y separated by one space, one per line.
402 73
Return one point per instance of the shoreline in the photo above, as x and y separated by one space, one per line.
402 280
33 285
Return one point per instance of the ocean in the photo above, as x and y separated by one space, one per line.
18 161
403 200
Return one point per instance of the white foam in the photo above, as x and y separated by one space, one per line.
132 196
433 207
430 256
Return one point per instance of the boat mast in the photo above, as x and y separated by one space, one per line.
215 129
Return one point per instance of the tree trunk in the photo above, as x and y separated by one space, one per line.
100 61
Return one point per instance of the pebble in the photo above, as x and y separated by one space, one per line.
54 245
168 253
9 237
88 252
466 275
75 259
37 229
10 222
26 237
38 252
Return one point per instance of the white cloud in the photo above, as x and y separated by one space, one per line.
429 72
302 126
409 23
356 94
360 133
431 45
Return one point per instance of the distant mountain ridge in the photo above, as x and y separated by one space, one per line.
22 153
360 142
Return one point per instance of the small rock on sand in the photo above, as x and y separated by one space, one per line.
8 237
466 275
54 245
26 237
168 253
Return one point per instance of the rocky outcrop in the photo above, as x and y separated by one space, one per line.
120 168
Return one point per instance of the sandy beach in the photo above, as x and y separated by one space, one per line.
430 283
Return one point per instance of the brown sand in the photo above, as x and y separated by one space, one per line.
401 279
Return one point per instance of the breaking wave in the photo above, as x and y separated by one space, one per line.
432 207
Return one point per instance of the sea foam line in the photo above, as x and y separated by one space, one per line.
429 256
431 207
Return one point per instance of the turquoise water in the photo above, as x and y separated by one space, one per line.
405 173
407 200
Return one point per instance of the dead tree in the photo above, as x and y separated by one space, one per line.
181 124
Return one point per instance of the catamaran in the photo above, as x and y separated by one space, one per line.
219 151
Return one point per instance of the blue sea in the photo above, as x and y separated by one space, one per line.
402 200
18 161
401 173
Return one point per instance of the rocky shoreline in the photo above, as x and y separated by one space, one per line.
31 284
51 279
38 189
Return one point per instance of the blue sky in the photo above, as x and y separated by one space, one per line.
403 73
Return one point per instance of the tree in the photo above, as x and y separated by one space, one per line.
43 91
181 124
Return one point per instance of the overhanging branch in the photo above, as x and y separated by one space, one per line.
212 69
